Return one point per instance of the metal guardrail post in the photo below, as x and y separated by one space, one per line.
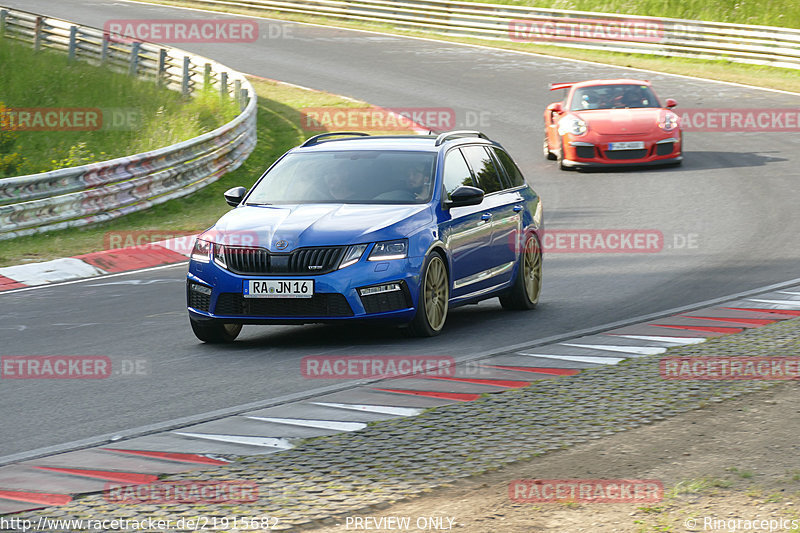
104 50
37 34
161 75
73 42
206 75
223 85
3 17
133 66
185 88
87 194
237 92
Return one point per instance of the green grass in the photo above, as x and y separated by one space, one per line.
279 129
756 75
47 79
785 13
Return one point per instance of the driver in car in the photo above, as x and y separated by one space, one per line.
338 184
419 180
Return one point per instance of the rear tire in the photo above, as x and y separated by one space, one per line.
525 292
214 332
434 299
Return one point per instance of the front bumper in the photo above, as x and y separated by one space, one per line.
214 293
594 152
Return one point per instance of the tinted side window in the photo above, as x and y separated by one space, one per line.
512 171
483 166
456 172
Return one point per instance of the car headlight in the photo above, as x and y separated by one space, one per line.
219 255
201 251
386 250
668 122
353 254
572 124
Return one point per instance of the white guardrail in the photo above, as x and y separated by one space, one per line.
741 43
101 191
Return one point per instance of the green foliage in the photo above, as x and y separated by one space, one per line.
47 79
784 13
77 155
10 159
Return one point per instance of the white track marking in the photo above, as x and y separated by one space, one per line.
47 272
266 442
84 280
578 358
321 424
674 340
381 409
641 350
790 303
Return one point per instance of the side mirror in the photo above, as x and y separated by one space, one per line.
556 107
234 196
463 196
671 102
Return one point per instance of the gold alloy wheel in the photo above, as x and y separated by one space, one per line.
436 293
532 269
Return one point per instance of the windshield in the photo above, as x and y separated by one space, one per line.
613 97
349 177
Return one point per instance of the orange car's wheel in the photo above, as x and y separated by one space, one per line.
550 156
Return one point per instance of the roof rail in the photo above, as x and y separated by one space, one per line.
458 134
316 139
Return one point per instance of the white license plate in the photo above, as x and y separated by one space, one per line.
628 145
279 288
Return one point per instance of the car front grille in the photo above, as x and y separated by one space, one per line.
664 148
626 154
584 152
319 305
304 261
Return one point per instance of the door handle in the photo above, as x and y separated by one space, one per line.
486 216
518 208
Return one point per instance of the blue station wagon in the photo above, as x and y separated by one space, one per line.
348 226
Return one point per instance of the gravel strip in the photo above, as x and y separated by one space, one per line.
392 460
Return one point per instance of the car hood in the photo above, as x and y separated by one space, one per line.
286 227
621 121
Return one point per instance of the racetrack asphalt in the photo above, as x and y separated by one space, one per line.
736 195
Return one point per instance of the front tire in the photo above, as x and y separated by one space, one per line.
550 156
214 332
525 292
560 158
434 299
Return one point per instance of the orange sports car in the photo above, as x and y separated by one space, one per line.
604 123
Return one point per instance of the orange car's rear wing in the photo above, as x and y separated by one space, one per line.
557 86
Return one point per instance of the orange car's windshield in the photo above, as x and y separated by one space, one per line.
618 96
